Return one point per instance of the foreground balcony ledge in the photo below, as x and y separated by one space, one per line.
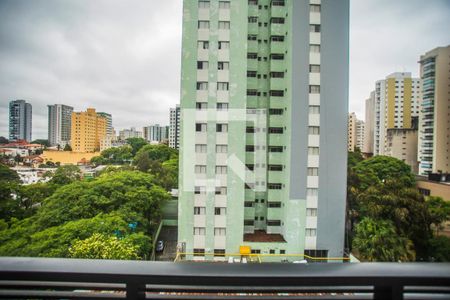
45 278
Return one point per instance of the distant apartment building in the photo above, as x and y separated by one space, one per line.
355 136
109 127
397 100
351 135
88 129
369 124
360 125
20 117
156 133
174 127
434 126
129 133
59 124
401 143
264 105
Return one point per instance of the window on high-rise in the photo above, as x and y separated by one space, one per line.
311 231
201 105
314 109
203 24
276 130
200 127
221 190
277 20
252 19
202 65
314 89
275 111
277 74
275 148
221 148
200 148
224 25
221 127
252 55
251 73
252 37
275 167
199 210
314 8
222 86
224 4
277 2
277 56
220 211
311 212
314 130
221 169
313 171
273 223
314 48
202 86
314 28
200 169
203 44
199 230
313 150
314 68
274 186
277 38
222 106
224 45
276 93
203 4
223 65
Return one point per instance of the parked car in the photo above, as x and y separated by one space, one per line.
159 246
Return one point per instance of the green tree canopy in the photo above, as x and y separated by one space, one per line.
7 174
136 144
377 240
65 175
67 147
380 168
100 246
75 211
440 249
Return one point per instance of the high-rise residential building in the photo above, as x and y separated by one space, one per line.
20 114
351 136
434 126
156 133
264 102
174 130
397 100
129 133
402 144
360 125
88 129
109 127
59 124
355 136
369 124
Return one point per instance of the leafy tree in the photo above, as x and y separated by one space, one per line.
65 175
116 155
3 140
159 152
76 211
380 168
440 249
136 144
439 211
42 142
142 161
7 174
377 240
30 196
100 246
67 147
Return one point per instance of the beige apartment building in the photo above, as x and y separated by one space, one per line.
87 130
402 144
369 124
434 126
355 132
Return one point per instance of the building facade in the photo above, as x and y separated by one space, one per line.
263 126
109 126
402 144
434 127
20 114
360 125
351 135
369 124
156 133
87 130
397 100
129 133
174 127
59 124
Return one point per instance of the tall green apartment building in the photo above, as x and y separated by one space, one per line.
264 104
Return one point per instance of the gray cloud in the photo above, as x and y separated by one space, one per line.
123 57
119 57
389 36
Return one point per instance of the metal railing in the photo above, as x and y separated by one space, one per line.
51 278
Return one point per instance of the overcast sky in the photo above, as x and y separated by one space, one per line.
123 57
